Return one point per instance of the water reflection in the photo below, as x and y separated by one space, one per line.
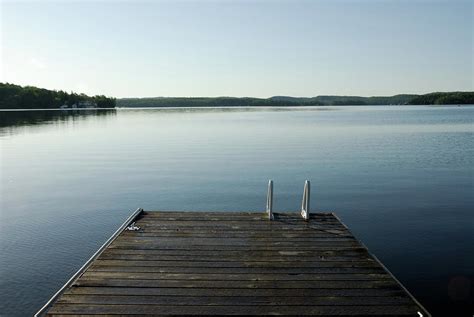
227 109
14 121
11 122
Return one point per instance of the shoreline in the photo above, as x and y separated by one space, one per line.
321 107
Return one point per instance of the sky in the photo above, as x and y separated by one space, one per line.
238 48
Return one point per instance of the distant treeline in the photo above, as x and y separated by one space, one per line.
348 100
18 97
261 102
433 98
444 98
200 102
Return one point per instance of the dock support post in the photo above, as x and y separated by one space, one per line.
270 200
305 202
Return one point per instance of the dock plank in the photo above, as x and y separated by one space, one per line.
86 281
255 292
239 264
407 310
237 270
237 276
232 300
223 263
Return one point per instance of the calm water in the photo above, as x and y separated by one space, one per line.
402 178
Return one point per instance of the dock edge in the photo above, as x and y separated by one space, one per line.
86 265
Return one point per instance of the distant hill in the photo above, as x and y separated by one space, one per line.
197 102
349 100
18 97
403 99
444 98
28 97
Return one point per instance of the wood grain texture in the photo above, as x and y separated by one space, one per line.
216 263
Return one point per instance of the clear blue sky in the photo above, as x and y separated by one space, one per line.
239 48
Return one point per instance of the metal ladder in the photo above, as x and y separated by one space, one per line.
304 204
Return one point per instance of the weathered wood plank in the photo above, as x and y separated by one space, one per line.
235 234
86 281
237 264
231 214
250 248
409 310
223 243
238 221
289 229
273 292
259 258
291 225
238 270
231 241
202 263
239 254
250 230
233 300
237 277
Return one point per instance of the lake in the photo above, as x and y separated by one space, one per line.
401 178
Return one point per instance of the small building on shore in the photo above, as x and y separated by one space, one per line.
86 104
80 104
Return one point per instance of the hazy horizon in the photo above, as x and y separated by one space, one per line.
319 95
239 48
280 95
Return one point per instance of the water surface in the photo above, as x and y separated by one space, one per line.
401 178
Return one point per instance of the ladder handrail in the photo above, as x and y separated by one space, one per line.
270 200
305 202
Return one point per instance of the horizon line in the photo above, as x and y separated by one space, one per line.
242 97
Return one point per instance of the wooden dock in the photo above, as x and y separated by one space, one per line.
219 263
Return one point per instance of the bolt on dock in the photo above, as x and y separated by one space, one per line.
233 263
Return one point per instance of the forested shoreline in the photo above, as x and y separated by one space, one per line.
403 99
445 98
28 97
